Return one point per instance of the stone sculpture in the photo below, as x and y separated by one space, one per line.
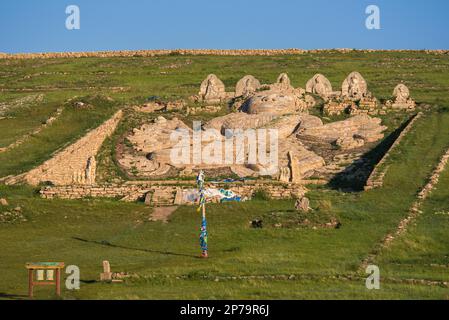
302 204
401 98
212 90
246 86
354 87
319 85
274 102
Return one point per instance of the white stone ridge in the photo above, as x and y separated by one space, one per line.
76 163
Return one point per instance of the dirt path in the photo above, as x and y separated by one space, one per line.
162 213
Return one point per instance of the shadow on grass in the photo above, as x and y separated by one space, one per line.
368 162
13 296
108 244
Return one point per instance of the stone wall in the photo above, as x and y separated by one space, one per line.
152 53
165 193
76 163
376 177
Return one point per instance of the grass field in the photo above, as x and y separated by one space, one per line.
268 263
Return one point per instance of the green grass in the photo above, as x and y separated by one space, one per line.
86 232
423 252
71 125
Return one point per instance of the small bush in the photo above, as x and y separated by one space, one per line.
261 194
324 205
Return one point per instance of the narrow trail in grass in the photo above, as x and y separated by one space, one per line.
162 213
414 212
36 131
298 277
422 252
70 126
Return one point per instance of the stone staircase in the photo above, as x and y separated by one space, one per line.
162 197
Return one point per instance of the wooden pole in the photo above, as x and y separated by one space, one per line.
30 283
204 211
58 282
204 254
202 203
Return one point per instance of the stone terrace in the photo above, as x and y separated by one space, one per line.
164 192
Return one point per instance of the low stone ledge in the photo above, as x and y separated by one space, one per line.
376 178
165 194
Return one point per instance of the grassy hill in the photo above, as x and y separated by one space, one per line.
162 259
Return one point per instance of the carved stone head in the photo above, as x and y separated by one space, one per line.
401 93
319 85
354 86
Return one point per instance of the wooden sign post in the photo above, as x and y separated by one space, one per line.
50 268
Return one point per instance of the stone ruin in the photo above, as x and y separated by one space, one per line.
246 86
260 106
337 107
282 83
157 106
212 91
279 98
76 164
320 86
302 205
355 98
151 147
354 87
276 102
401 99
361 127
307 147
88 175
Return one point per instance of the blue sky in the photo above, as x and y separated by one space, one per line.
39 25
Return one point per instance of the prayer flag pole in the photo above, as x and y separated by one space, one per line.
202 207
